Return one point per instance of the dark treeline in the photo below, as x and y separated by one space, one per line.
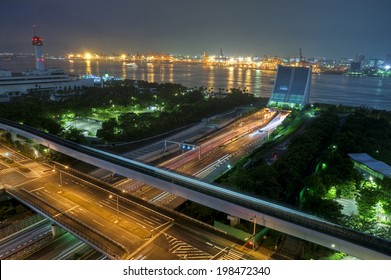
174 105
315 170
367 131
363 131
301 157
32 112
131 126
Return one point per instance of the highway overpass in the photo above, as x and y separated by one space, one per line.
271 215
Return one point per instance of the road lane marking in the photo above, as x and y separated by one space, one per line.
141 225
149 222
99 223
37 189
69 210
148 242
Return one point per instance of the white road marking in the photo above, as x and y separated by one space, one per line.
99 223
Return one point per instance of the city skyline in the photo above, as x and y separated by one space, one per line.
334 29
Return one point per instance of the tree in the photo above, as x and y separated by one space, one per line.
50 125
367 199
324 208
265 183
315 186
74 134
108 130
385 195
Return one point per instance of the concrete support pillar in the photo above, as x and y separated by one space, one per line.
14 136
233 220
56 230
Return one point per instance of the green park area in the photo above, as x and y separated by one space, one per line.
309 168
305 165
120 112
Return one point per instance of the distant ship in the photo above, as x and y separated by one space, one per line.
131 65
41 78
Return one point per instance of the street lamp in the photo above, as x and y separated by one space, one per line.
59 171
254 219
117 220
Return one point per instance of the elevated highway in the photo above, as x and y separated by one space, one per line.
271 215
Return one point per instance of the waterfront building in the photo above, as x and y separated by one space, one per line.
40 78
355 68
374 63
291 87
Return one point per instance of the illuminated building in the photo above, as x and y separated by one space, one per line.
291 87
51 79
374 63
370 166
37 43
355 68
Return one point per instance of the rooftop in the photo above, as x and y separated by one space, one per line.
372 163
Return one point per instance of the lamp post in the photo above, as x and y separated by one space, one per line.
254 219
59 171
117 220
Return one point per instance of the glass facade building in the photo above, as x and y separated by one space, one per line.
291 87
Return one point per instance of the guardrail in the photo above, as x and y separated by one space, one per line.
28 250
20 225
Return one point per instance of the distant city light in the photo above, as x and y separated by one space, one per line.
87 55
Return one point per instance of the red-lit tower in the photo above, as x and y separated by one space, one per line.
37 43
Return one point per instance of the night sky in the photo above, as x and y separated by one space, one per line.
332 28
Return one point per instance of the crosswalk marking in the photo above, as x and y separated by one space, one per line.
7 170
185 250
